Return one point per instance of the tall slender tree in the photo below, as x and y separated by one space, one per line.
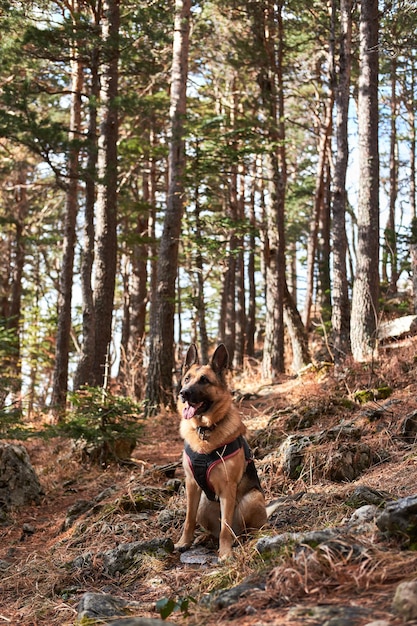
106 209
366 282
161 342
270 39
60 385
84 371
340 295
324 135
390 270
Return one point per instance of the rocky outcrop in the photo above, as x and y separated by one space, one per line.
128 555
398 327
103 608
405 600
19 484
344 461
399 519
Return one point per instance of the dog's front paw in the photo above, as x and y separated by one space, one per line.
182 546
225 556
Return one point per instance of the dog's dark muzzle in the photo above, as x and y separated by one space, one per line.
194 402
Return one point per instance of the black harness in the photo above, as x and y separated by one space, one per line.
202 464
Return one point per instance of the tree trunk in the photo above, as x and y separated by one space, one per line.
366 283
413 257
84 371
12 363
60 384
413 141
106 236
340 293
296 330
323 254
251 292
324 134
230 276
200 299
413 137
138 297
228 321
268 31
391 253
273 356
161 344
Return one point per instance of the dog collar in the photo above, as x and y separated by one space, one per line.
204 431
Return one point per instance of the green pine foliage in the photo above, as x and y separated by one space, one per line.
98 417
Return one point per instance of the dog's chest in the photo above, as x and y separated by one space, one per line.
201 465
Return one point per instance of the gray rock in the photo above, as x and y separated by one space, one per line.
312 538
406 325
367 495
343 550
400 518
167 519
99 605
84 561
198 556
75 511
292 454
409 427
331 615
19 484
348 462
226 598
342 432
405 600
364 515
126 555
106 493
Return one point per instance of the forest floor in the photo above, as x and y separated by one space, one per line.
40 587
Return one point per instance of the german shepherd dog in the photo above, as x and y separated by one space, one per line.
224 494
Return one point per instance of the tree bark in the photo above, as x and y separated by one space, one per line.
391 254
413 136
251 291
60 384
161 343
240 279
296 330
268 31
366 283
200 299
340 293
325 134
84 371
12 361
230 275
106 207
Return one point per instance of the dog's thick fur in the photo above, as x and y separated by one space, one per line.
209 421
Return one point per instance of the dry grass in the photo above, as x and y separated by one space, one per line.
42 586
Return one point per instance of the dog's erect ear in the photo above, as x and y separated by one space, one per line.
191 357
220 359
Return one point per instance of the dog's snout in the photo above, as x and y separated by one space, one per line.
185 394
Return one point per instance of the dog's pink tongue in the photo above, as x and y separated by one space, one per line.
189 411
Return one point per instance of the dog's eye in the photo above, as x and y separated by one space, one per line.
187 378
204 380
